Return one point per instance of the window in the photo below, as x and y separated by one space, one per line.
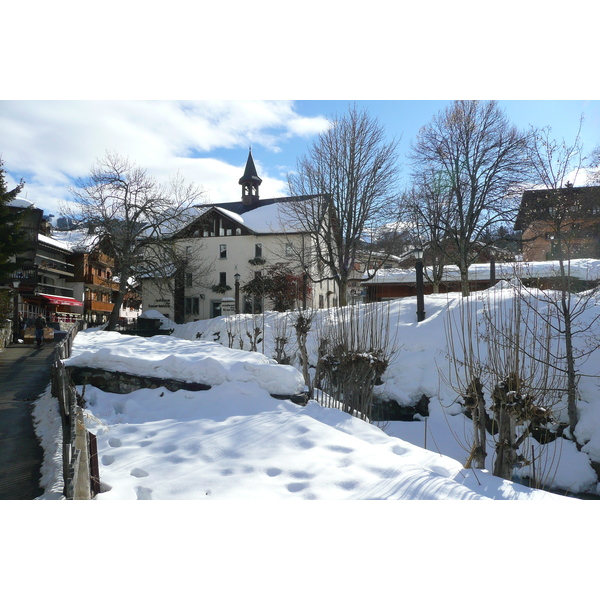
189 280
257 250
192 306
222 250
289 249
222 278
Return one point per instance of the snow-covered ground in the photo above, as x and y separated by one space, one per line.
236 441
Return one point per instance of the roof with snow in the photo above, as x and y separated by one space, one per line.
264 216
585 269
21 203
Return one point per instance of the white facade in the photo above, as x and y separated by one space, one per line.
238 238
224 241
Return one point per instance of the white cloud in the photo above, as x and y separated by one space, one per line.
50 143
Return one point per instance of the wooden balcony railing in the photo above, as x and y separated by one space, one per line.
101 282
97 306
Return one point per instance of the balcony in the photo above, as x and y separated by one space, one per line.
55 290
101 258
97 280
97 306
26 277
55 267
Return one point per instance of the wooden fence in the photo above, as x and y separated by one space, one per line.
80 459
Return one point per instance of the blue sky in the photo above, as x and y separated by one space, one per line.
51 143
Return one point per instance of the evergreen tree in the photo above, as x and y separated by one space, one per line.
12 239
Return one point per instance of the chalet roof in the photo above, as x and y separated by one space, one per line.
54 243
265 216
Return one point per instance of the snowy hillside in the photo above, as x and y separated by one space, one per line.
237 441
417 367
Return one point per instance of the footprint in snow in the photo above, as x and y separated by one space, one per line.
115 442
143 493
273 472
297 486
138 473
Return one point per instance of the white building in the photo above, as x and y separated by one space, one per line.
240 239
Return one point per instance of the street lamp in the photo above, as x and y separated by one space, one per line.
16 284
418 254
236 277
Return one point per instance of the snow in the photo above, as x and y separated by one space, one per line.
238 441
21 203
244 451
53 242
587 269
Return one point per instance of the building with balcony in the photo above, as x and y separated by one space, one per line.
45 274
95 283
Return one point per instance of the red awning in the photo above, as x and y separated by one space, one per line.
62 300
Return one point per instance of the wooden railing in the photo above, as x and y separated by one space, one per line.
80 460
100 281
97 305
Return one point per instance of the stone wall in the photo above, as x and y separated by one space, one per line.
124 383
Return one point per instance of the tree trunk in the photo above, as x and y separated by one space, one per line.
114 315
343 291
477 401
570 358
464 280
505 446
571 377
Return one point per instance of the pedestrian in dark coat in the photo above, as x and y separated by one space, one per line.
39 324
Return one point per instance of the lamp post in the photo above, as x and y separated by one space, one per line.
236 277
16 284
492 267
418 254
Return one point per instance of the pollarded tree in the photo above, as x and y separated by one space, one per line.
349 178
480 157
134 217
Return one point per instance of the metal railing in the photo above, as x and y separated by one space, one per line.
80 459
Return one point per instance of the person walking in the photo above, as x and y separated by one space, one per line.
39 324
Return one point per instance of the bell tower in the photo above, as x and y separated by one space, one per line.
250 182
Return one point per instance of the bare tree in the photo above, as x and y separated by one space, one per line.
594 166
564 213
499 349
473 148
134 217
349 177
429 210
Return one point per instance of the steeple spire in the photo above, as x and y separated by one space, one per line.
250 181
